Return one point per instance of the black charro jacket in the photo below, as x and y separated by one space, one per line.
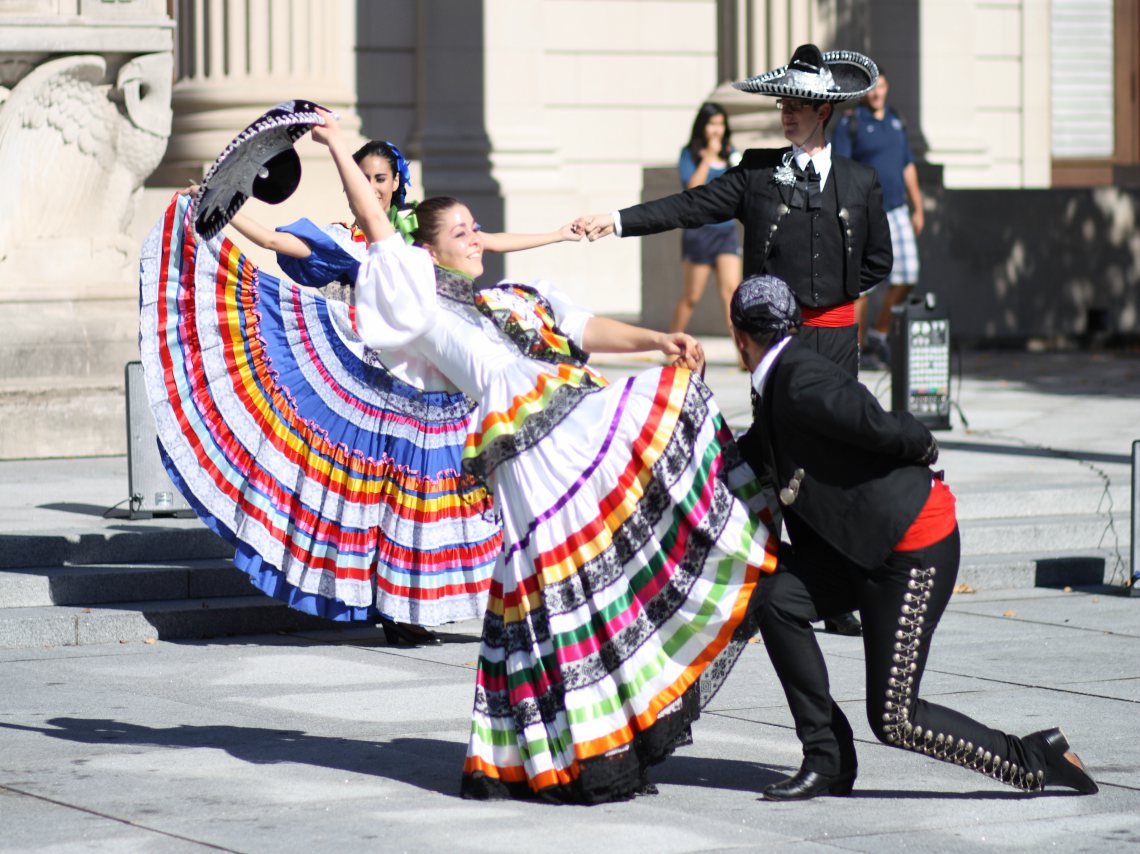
747 192
863 482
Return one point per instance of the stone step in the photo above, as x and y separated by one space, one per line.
98 584
183 540
1040 535
1076 499
64 342
172 578
53 419
71 625
1008 571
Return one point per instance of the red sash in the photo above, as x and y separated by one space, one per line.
935 521
837 315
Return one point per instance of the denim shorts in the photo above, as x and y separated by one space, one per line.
702 245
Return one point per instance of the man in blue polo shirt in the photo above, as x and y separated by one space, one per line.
874 134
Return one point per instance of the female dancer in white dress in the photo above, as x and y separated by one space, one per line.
627 562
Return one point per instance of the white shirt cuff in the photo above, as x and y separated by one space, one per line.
617 222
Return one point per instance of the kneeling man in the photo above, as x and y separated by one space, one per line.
872 528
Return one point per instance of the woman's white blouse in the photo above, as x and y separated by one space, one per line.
397 307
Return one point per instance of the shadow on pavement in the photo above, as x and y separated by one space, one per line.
735 774
87 509
426 763
916 795
422 762
754 776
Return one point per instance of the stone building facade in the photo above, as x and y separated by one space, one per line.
534 111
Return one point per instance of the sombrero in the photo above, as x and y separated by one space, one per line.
259 162
811 75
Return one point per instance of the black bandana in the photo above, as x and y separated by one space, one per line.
764 305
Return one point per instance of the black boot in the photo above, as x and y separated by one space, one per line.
405 634
1059 769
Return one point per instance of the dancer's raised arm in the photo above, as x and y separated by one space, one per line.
256 233
275 241
361 197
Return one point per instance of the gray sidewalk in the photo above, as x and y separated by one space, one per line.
332 741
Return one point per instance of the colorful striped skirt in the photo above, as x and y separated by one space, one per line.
339 484
629 559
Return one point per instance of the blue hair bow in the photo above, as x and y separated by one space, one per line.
402 168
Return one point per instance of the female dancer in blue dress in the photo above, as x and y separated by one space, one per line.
333 468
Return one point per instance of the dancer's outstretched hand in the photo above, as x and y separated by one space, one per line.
596 225
694 360
572 231
330 130
687 351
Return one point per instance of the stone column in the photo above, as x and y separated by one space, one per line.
1036 104
757 35
481 130
449 136
237 58
947 92
526 162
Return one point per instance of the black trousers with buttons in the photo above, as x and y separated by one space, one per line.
900 604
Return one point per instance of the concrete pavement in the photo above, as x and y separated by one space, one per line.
333 741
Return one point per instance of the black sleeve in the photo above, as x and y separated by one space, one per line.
716 201
827 400
878 257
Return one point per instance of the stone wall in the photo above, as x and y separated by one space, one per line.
84 119
1017 265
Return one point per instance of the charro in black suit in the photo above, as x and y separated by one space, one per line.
853 478
829 247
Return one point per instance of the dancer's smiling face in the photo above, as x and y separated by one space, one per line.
378 171
457 242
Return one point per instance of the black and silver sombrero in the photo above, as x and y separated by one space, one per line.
259 162
811 75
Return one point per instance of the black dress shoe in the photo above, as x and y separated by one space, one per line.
405 634
806 784
843 624
1059 770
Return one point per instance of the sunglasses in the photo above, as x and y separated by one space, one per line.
792 105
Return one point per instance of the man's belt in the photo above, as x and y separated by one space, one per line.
836 315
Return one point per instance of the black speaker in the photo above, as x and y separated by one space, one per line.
151 491
920 361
